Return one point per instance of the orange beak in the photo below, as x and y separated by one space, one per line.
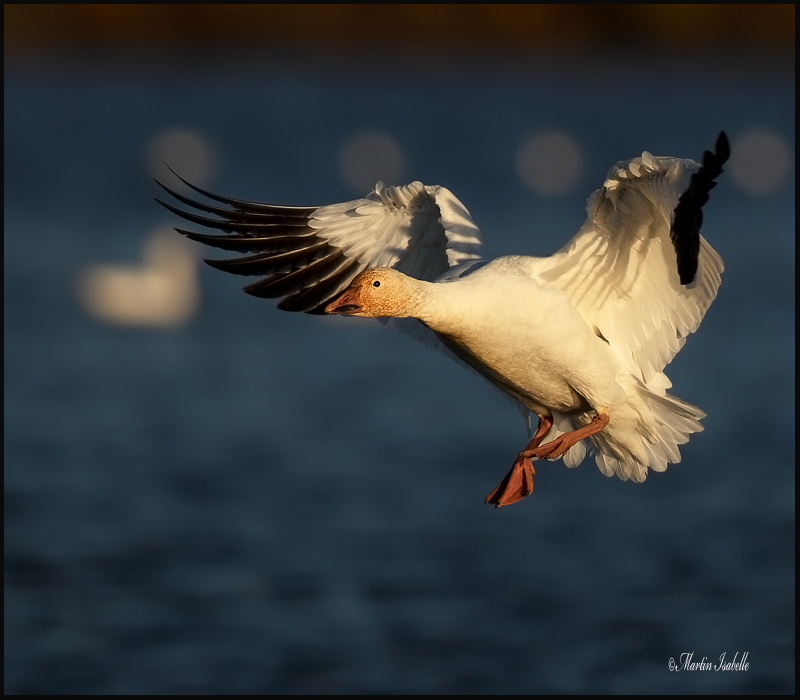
348 303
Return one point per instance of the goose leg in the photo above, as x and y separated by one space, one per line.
555 448
518 483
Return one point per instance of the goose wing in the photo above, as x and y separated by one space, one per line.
307 256
638 270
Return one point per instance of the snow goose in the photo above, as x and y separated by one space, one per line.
579 338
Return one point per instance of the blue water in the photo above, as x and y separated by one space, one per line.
264 502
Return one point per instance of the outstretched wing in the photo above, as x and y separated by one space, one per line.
639 271
308 255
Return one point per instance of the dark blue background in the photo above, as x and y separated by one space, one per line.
270 502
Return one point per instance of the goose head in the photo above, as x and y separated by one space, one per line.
379 292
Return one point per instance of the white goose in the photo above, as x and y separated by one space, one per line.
579 338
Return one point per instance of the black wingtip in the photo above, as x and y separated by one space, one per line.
722 148
242 205
685 233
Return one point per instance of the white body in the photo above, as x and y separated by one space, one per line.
548 360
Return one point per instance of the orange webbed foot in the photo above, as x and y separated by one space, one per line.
515 486
518 483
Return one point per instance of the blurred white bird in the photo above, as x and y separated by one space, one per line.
579 338
161 292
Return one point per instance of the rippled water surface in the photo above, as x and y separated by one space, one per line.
263 502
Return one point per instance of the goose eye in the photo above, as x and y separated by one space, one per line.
376 283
